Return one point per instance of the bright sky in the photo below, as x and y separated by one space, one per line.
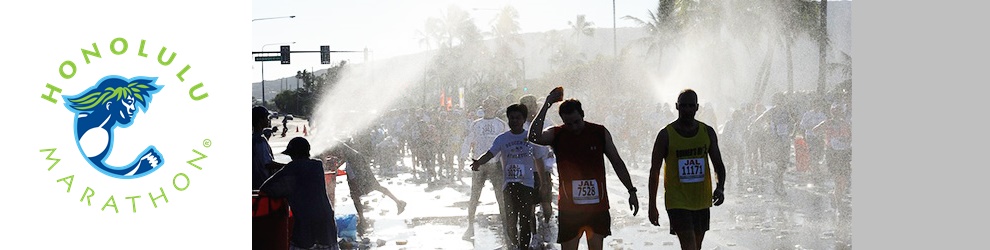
388 27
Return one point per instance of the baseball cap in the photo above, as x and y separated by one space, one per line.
297 147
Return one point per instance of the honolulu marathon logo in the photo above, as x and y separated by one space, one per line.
111 104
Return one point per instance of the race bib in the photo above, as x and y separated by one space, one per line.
585 191
513 173
691 170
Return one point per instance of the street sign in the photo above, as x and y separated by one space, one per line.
267 58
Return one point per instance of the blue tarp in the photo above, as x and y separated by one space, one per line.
347 226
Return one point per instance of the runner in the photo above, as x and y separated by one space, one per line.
543 183
481 135
360 178
814 116
579 147
780 122
285 124
688 144
837 134
734 144
519 158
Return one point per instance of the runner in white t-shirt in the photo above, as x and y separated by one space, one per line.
480 137
518 166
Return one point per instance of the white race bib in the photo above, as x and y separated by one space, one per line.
585 191
691 170
513 173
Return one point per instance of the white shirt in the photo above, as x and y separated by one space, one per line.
481 135
517 156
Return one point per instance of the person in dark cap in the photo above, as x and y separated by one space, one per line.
302 183
263 163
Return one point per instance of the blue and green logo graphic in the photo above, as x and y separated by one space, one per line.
113 103
103 116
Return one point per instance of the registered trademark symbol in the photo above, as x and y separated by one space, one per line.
207 143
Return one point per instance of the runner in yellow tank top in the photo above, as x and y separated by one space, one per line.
686 146
687 181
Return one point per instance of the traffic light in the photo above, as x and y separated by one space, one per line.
285 54
325 54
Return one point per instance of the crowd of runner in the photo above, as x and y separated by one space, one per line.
794 135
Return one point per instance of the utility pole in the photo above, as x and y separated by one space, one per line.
822 46
615 48
263 59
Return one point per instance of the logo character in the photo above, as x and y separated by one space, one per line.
113 103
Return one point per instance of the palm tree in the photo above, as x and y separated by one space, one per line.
662 27
505 26
461 56
431 32
793 19
505 29
582 27
561 52
781 22
800 17
455 28
844 65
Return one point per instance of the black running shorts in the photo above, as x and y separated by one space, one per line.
688 220
573 223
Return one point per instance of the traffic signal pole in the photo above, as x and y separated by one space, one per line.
283 55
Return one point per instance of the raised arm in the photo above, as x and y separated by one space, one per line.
536 134
621 171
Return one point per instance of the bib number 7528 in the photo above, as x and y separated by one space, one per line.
585 191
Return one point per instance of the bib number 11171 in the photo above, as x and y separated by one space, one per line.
691 170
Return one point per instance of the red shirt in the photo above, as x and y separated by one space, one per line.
581 167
